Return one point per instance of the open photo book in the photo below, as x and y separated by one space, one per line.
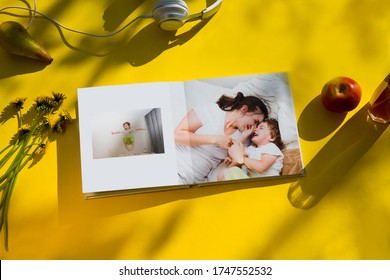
166 135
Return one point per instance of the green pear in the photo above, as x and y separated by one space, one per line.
15 39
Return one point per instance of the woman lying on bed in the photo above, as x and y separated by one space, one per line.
262 158
206 132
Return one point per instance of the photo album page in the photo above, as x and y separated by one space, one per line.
167 135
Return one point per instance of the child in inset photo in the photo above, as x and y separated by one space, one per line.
262 158
128 135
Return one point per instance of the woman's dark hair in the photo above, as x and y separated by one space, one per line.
128 123
273 125
254 103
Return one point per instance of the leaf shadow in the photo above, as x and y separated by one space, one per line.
138 53
117 12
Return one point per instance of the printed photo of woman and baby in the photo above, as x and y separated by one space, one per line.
187 133
237 128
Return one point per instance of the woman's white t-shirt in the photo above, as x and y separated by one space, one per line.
195 162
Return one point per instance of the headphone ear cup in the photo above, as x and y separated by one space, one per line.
170 14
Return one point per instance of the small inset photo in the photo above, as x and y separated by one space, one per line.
122 134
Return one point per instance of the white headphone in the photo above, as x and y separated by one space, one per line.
170 15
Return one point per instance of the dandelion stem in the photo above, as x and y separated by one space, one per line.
5 207
29 140
7 156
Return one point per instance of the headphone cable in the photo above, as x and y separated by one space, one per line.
35 12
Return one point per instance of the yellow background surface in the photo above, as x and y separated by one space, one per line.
340 210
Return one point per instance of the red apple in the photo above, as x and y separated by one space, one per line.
341 94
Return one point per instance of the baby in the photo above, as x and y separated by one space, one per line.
128 135
263 157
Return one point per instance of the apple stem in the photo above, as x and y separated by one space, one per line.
343 88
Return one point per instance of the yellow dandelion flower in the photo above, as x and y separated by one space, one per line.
58 98
25 128
65 116
43 103
52 119
42 148
63 120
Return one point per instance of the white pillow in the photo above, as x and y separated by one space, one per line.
200 92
